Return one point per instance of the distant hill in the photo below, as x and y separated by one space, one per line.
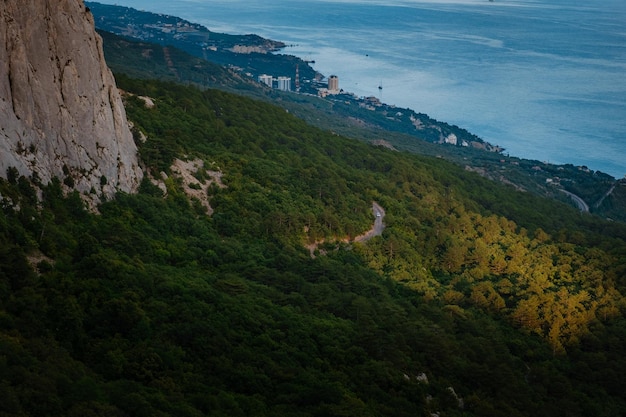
149 60
249 54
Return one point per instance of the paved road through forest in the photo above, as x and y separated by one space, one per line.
379 226
579 201
376 230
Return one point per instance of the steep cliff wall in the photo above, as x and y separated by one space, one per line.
60 111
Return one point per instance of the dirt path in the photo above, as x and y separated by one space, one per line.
608 193
376 230
169 62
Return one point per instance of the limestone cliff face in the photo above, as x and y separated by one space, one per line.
60 111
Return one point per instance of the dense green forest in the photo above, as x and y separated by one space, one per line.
477 300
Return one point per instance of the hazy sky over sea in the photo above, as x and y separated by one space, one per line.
544 79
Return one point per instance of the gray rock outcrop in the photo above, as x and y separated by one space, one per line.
61 114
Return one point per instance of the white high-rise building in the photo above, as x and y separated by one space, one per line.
266 79
284 83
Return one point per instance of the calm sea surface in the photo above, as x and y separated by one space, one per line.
544 79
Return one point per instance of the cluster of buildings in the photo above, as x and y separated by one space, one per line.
280 83
284 83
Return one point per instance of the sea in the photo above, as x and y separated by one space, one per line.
544 79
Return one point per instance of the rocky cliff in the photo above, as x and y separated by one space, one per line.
60 111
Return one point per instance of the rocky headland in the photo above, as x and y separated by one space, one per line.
61 113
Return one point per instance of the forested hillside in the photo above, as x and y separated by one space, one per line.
413 132
477 300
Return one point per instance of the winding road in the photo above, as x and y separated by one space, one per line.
379 226
376 230
584 207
